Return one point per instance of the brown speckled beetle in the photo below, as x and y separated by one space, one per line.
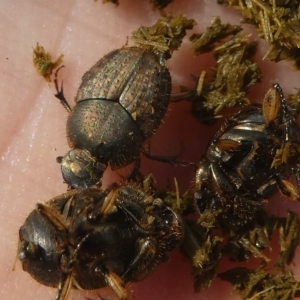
253 154
88 239
120 103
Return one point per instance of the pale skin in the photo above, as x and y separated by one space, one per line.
33 122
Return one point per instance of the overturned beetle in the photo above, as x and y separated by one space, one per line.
90 238
253 154
120 103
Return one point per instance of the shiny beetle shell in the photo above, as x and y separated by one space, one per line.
251 157
91 238
120 103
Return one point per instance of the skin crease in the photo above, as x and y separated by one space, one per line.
33 123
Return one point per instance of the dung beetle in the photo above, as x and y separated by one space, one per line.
253 155
92 238
119 104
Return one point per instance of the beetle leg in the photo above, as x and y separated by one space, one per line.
109 202
267 189
287 117
221 181
167 159
247 245
107 207
296 172
218 198
116 283
60 93
274 106
132 218
53 216
142 264
271 104
228 145
64 286
289 232
288 189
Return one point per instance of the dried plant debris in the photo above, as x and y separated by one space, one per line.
208 220
180 203
240 247
204 247
204 252
289 238
277 22
165 36
234 73
243 244
259 285
43 63
205 244
294 102
208 40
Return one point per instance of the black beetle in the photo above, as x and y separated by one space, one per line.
120 103
91 238
253 154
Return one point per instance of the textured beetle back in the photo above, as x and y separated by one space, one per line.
135 78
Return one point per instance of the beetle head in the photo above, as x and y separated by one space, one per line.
80 169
